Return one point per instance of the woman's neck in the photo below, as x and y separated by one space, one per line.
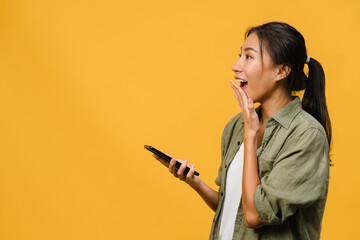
271 106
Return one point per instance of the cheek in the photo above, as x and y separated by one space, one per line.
268 77
253 71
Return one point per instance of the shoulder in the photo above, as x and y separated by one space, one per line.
303 142
304 122
306 125
236 121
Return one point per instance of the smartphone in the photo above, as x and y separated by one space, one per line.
168 158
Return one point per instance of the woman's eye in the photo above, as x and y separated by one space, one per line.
248 57
239 55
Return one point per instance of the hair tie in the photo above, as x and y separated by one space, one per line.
307 59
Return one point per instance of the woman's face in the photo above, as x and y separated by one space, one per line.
256 73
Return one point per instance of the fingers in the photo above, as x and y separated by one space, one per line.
250 104
190 174
245 102
180 172
236 88
239 94
172 166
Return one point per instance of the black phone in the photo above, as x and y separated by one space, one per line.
168 158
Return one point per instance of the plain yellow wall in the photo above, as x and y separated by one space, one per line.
85 84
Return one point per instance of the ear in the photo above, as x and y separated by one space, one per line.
281 72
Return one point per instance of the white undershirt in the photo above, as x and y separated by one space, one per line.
233 192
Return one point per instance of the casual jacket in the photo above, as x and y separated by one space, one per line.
293 167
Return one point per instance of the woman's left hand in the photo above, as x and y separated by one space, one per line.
251 119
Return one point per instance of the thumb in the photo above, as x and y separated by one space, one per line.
169 155
250 104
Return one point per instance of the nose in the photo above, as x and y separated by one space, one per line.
237 67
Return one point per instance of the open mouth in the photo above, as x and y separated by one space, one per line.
242 82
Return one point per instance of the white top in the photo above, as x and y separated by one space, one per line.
233 192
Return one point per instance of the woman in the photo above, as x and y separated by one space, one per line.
273 178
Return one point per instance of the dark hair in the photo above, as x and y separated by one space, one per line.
286 46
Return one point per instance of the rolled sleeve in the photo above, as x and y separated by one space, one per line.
299 177
218 178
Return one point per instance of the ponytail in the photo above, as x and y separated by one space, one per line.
314 101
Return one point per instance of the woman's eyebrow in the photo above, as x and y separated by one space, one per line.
249 49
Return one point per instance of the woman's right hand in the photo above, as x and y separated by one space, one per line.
190 178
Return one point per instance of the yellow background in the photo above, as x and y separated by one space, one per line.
85 84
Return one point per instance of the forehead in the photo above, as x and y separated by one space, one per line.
251 42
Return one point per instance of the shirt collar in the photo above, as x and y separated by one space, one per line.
287 113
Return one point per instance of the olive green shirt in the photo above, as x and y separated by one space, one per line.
293 167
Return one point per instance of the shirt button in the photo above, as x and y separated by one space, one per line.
226 166
240 221
221 193
238 143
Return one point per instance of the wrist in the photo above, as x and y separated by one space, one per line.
250 136
250 142
196 185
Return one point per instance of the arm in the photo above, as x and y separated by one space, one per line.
250 170
250 182
298 178
210 196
